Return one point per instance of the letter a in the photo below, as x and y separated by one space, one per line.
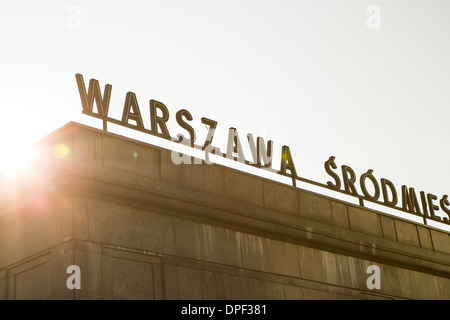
374 282
287 163
260 152
234 146
74 281
374 21
131 111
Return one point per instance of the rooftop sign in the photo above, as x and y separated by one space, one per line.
344 180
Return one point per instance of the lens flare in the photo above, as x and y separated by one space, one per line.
61 151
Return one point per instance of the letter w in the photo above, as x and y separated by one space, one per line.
260 151
87 99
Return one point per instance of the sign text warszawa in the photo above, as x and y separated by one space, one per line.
261 152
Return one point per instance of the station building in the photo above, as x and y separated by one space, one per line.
140 227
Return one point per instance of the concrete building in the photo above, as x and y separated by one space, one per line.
140 227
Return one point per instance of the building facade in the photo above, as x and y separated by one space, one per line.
140 227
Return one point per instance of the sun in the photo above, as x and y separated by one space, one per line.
16 153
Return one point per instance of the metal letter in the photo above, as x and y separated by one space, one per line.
332 164
349 182
287 163
444 202
393 202
234 146
94 92
409 200
185 125
362 182
212 128
131 104
260 151
431 206
156 121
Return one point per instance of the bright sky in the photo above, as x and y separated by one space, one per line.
318 76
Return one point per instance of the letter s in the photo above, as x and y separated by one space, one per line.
185 125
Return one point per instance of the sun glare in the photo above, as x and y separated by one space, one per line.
16 156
